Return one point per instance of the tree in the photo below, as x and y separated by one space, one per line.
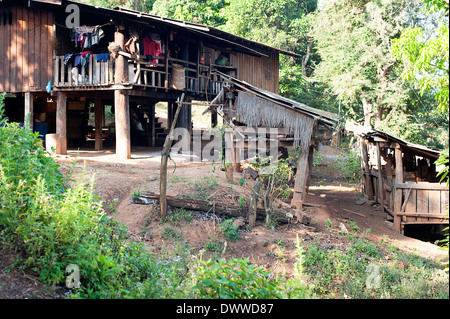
353 41
425 56
206 12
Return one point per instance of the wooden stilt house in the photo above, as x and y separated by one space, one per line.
60 74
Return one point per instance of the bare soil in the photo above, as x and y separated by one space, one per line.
330 196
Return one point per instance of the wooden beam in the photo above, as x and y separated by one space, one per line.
61 122
427 186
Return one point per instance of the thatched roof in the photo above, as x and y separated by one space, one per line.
256 107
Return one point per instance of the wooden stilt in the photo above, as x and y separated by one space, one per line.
367 176
122 115
98 111
28 114
300 179
61 122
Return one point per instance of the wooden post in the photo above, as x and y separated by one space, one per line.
300 179
61 122
367 175
164 157
28 114
309 168
380 177
152 125
122 115
398 192
98 112
229 154
253 206
121 65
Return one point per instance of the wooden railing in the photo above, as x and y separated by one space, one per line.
95 74
199 79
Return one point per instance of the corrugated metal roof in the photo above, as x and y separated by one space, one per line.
371 133
207 31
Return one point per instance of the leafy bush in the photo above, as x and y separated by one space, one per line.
234 279
229 230
350 165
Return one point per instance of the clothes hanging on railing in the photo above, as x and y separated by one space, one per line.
102 57
86 36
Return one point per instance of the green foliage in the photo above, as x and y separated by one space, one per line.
425 57
234 279
350 165
178 217
204 186
203 11
229 230
276 184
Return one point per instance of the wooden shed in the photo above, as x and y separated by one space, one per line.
275 119
401 176
117 58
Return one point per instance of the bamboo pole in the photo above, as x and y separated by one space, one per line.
164 157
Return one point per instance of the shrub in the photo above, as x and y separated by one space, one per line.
234 279
350 165
229 230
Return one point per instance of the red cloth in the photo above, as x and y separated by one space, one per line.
151 48
86 52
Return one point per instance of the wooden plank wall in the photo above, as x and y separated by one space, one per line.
423 202
26 58
259 71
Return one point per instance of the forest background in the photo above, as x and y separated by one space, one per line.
383 63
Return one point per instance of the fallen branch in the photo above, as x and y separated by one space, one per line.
347 210
218 208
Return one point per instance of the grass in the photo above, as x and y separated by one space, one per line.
363 269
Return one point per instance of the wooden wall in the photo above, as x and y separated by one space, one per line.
26 55
261 72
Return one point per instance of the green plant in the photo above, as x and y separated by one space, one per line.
228 229
350 165
171 233
354 226
328 223
317 158
242 203
234 279
204 186
178 216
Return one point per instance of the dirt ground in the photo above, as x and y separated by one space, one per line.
329 197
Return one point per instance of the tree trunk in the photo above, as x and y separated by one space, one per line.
367 108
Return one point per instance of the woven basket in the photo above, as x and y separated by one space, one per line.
178 81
